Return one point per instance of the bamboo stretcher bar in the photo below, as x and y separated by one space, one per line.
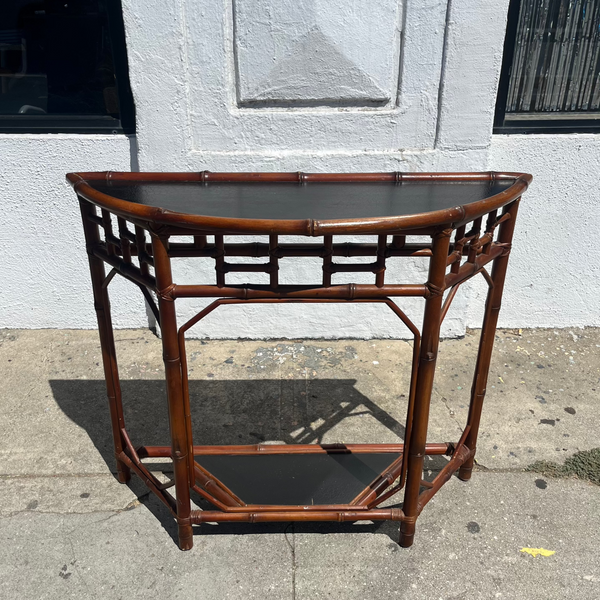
165 451
261 249
127 270
469 269
212 499
345 292
354 267
381 483
255 516
245 268
212 487
150 481
223 493
461 455
249 508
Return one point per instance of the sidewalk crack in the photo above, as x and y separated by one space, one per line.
292 546
444 401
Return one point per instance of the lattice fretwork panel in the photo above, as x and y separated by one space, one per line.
474 245
267 255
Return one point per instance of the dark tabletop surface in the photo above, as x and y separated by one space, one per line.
318 201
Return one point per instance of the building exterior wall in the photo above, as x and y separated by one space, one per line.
43 261
229 85
554 271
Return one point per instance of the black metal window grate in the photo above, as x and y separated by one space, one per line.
550 79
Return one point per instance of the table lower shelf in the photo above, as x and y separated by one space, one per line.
297 479
308 482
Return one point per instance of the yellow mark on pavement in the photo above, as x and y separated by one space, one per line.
538 551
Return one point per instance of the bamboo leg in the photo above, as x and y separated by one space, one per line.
486 342
172 360
107 341
427 358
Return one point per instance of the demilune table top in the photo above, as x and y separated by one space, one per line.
243 201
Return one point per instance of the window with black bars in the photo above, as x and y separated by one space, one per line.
550 80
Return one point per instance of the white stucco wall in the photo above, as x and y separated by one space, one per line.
230 86
554 270
43 261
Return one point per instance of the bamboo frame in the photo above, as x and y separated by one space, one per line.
139 243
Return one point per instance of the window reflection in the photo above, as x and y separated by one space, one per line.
56 58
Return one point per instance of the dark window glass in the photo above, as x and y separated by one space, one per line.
550 77
63 66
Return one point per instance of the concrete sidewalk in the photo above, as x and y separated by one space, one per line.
69 530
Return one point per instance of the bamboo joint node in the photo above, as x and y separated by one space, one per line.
434 290
166 294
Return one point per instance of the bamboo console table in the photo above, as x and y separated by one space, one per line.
132 222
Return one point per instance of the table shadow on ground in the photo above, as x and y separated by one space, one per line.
232 412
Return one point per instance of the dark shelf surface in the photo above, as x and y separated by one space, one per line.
316 200
297 479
